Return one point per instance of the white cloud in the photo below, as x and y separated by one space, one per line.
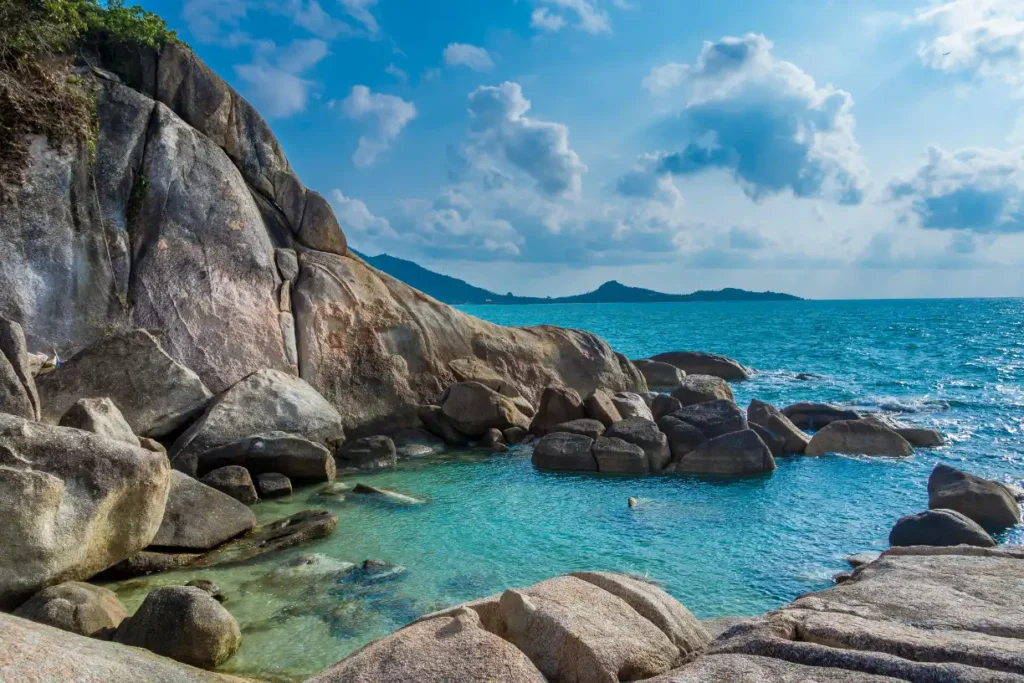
214 20
356 219
476 58
397 73
589 17
382 116
982 37
763 120
274 80
542 19
360 11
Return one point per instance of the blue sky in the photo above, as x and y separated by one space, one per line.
830 149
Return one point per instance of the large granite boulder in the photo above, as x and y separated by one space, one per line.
682 436
273 485
295 457
77 607
738 453
696 389
615 456
632 405
713 418
84 503
729 668
266 401
775 443
699 363
474 408
18 394
663 405
660 375
156 394
989 503
860 437
591 428
199 517
184 623
368 453
99 416
557 406
600 406
561 452
645 434
939 528
815 416
233 481
772 419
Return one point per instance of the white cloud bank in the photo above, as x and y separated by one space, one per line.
382 117
980 37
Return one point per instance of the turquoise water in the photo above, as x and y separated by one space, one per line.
723 547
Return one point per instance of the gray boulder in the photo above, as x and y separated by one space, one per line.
514 436
939 528
702 388
287 262
474 408
739 668
646 435
77 607
561 452
922 437
99 416
775 443
367 453
437 423
199 517
619 457
682 436
600 406
18 394
295 457
185 624
156 394
663 405
265 401
591 428
233 481
815 416
738 453
632 405
860 437
558 405
84 503
273 485
772 419
989 503
699 363
714 418
660 375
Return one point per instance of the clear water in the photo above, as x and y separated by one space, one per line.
723 547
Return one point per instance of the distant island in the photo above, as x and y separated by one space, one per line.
455 292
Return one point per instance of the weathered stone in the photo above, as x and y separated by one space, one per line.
17 383
701 389
437 423
302 527
738 453
714 418
474 408
988 503
632 405
156 394
584 427
185 624
416 443
560 452
660 375
646 435
287 262
295 457
494 438
208 587
772 419
775 443
152 445
600 406
514 435
233 481
860 437
682 436
99 416
368 453
620 457
710 364
754 669
320 229
84 503
922 437
663 405
557 406
76 607
148 562
719 625
273 485
199 517
861 559
939 527
266 401
475 370
815 416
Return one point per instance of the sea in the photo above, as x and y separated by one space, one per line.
722 546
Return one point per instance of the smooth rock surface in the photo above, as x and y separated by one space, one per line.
989 503
76 607
940 528
199 517
645 434
660 375
702 388
233 481
18 394
700 363
858 437
99 416
768 416
663 405
619 457
738 453
585 427
815 416
600 406
775 443
714 418
295 457
682 436
557 406
560 452
367 453
754 669
474 408
632 405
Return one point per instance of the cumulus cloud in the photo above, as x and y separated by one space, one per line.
982 37
275 81
763 120
383 118
356 219
502 133
554 15
976 190
543 20
461 54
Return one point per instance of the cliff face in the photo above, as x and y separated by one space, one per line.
176 223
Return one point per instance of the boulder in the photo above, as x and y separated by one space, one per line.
208 587
663 405
860 437
84 503
772 419
682 436
441 649
185 624
646 435
273 537
416 443
600 406
939 528
814 416
710 364
989 503
273 485
775 443
514 436
921 437
367 453
156 394
287 262
702 388
437 423
295 457
660 375
473 369
152 445
632 405
18 394
76 607
99 416
739 668
199 517
738 453
714 418
619 457
473 408
585 427
233 481
265 401
558 405
561 452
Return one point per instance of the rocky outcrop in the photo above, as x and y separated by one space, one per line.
647 436
775 443
713 418
561 452
696 389
600 406
557 406
591 428
18 394
660 375
736 453
710 364
815 416
632 405
368 453
615 456
302 527
233 481
198 517
771 418
860 437
99 416
83 503
273 485
939 528
473 408
663 405
988 503
295 457
156 394
76 607
682 436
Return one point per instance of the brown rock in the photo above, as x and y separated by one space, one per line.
599 406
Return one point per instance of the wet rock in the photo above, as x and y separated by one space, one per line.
302 527
771 418
208 587
714 418
632 405
148 562
600 406
233 481
416 443
514 435
738 453
76 607
199 517
436 422
773 441
660 375
859 437
814 416
273 485
560 452
700 363
620 457
293 456
591 428
18 394
185 624
663 405
99 416
922 437
701 389
557 406
989 503
682 436
387 494
495 440
861 559
367 453
646 435
939 528
474 408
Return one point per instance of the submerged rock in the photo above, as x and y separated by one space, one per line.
77 607
561 452
293 456
233 481
860 437
738 453
696 389
417 443
700 363
600 406
99 416
989 503
386 494
367 453
771 418
302 527
939 528
198 517
558 405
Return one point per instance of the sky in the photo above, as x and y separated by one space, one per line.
826 148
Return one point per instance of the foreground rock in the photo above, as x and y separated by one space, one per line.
386 494
84 503
660 375
939 528
557 406
76 607
562 452
860 437
273 485
233 481
156 394
682 436
99 416
615 456
699 363
600 406
815 416
701 388
474 408
368 453
713 418
18 394
645 434
199 518
632 405
737 453
988 503
771 418
266 401
185 624
295 457
591 428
